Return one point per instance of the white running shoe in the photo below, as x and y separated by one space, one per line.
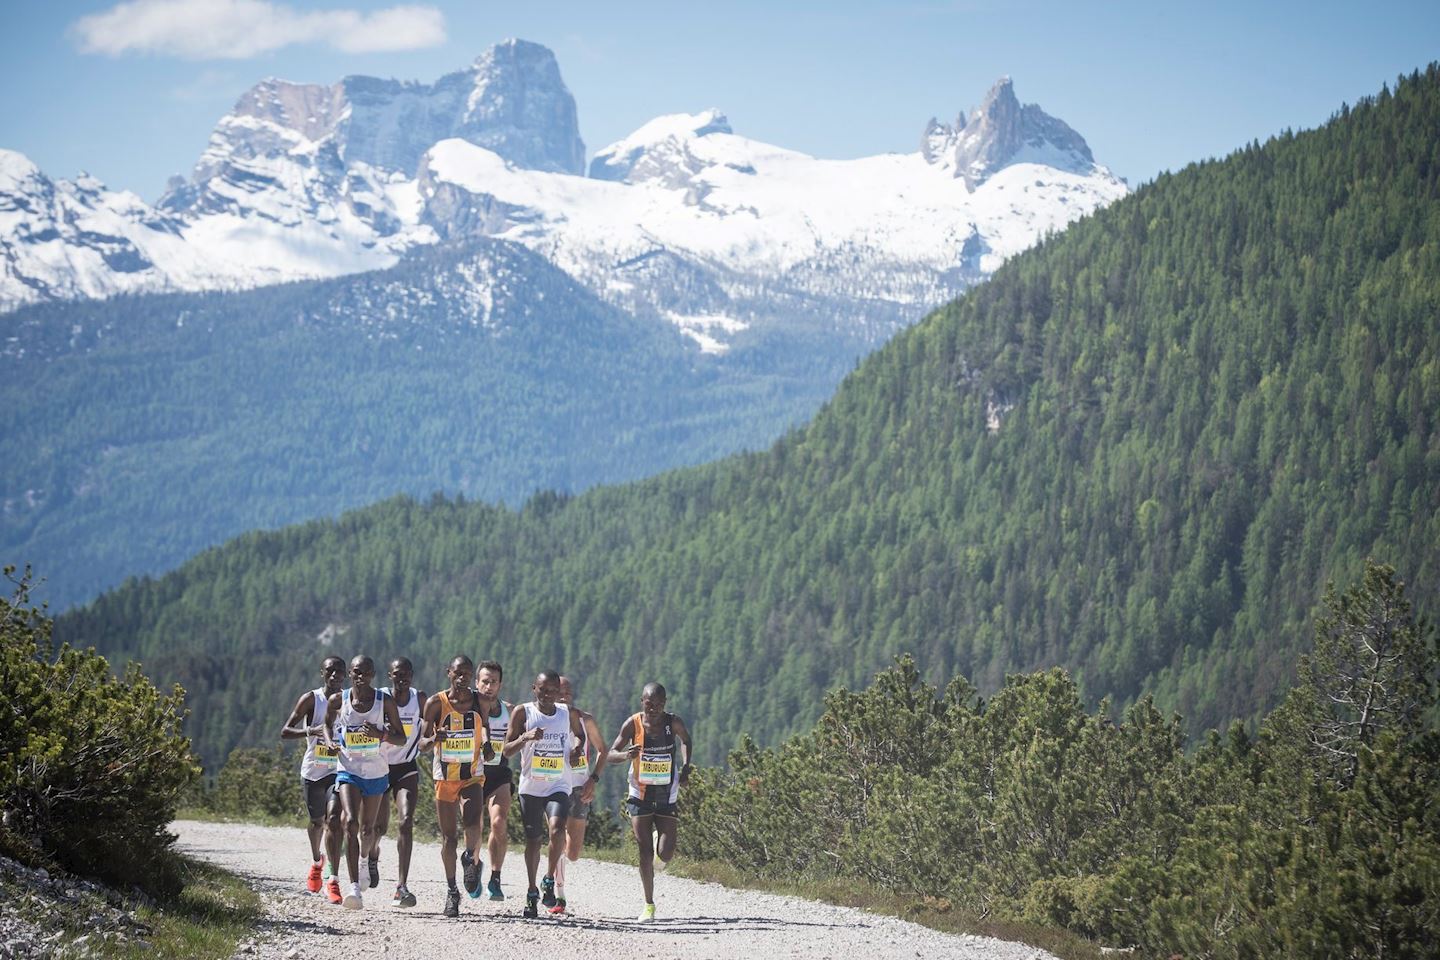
352 900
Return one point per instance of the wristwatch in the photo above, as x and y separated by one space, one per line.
595 777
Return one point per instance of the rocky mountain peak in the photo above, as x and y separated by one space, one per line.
661 150
999 132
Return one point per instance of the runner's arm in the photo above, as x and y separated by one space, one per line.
332 713
619 752
683 732
298 726
394 726
577 733
429 717
513 743
592 730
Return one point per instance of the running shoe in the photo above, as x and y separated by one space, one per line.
494 888
332 891
403 897
374 872
559 907
314 878
352 899
452 902
548 896
472 874
532 904
648 914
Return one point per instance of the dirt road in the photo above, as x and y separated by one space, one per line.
693 919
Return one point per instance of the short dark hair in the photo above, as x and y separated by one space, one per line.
404 662
490 665
334 656
544 675
458 659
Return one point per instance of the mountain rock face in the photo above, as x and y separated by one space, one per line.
999 132
684 222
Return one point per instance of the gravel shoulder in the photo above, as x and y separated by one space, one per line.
694 919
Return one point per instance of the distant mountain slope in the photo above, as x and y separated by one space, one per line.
1138 451
143 432
683 222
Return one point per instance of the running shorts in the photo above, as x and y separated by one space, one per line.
318 794
647 808
578 810
450 791
369 786
399 771
496 777
536 812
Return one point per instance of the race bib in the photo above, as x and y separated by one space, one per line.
547 766
357 744
408 727
582 765
655 769
497 746
458 749
328 756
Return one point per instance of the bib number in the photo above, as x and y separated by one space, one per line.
546 766
655 769
458 750
328 756
357 744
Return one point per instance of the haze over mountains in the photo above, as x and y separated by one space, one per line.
489 320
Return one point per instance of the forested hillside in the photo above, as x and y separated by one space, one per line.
1138 452
142 430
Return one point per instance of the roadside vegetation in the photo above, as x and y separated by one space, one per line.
92 769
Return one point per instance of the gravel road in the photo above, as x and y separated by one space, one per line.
693 919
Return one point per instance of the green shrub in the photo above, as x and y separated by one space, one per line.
91 767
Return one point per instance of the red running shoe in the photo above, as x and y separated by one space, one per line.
332 891
312 880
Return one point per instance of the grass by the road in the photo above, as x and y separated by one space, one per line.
934 912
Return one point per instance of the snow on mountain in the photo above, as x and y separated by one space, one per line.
684 221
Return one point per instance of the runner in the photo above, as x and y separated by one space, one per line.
648 742
404 780
581 774
549 738
454 722
362 717
499 777
317 775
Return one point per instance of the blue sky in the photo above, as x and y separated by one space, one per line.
131 97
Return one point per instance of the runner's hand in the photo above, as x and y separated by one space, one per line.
488 752
577 753
372 731
533 734
587 792
632 751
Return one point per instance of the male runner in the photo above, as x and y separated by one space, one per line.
454 722
581 773
361 717
649 741
317 774
499 777
549 739
404 780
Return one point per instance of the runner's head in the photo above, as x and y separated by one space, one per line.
460 674
652 700
567 691
332 671
487 679
547 689
402 673
362 672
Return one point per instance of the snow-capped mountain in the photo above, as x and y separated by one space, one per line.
683 220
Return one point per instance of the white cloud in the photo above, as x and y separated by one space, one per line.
236 29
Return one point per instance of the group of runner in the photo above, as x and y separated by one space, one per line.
363 743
